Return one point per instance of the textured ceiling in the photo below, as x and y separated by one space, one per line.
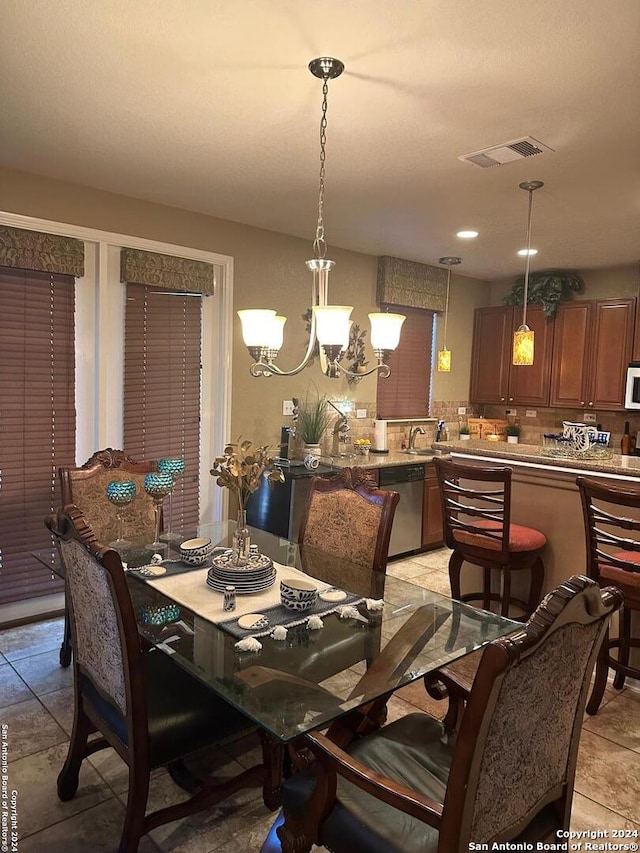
208 105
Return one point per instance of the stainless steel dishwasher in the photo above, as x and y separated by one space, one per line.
408 482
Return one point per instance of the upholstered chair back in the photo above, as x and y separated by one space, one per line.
349 519
86 488
97 642
525 714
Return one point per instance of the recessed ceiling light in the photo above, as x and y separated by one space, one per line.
467 235
525 252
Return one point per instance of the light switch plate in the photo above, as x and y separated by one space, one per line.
589 417
532 413
287 407
462 410
361 413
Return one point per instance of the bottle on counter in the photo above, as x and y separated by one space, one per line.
632 443
625 444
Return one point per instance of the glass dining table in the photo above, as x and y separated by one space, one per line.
395 633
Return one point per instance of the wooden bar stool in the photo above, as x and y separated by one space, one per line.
476 510
613 557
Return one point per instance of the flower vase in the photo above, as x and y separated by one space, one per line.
241 540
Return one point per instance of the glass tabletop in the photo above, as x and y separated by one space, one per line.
315 676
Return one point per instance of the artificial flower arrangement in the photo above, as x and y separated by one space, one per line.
242 468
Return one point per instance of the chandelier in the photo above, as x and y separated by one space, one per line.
523 337
263 330
444 355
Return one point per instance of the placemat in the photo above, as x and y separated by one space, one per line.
280 615
173 567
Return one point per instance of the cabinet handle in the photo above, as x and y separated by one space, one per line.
591 404
582 402
511 399
502 399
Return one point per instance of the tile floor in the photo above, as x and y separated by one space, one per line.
36 704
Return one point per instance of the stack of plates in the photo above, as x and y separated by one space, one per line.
257 575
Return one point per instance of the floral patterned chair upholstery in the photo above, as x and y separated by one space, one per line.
150 710
414 786
344 535
86 488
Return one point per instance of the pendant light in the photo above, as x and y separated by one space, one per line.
444 355
262 330
523 337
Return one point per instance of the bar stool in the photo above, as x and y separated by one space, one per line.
476 510
613 557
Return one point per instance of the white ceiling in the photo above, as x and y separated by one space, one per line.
208 105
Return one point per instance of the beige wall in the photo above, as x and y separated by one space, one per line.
269 272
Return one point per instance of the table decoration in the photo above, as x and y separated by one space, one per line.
121 493
241 470
158 486
175 466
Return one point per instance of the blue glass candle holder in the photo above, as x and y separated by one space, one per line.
158 486
121 493
175 466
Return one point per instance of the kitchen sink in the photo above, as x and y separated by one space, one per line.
424 451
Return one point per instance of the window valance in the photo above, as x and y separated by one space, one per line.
35 250
412 284
167 272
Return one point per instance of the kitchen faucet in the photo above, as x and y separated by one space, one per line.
413 432
340 432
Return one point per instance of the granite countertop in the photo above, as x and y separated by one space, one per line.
373 460
531 454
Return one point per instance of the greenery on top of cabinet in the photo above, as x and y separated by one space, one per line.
547 287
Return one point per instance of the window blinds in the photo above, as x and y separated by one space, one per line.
37 421
163 333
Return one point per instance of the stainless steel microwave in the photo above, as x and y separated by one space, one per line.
632 393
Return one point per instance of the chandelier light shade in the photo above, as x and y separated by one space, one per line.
523 337
263 330
444 355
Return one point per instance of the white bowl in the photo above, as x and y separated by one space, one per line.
195 551
298 594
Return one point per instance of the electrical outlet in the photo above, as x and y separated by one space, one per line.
462 410
361 413
512 411
287 407
589 417
532 413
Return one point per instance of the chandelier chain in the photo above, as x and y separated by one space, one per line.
320 244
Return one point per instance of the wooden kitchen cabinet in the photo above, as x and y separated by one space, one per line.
592 346
432 534
493 378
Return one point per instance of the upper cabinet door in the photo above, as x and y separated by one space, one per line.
611 352
530 385
570 361
491 354
592 346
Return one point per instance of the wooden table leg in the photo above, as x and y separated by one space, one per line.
273 753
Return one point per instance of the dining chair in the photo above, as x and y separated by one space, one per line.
476 511
86 487
146 707
612 528
507 775
344 534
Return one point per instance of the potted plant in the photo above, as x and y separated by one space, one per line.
513 433
312 421
464 432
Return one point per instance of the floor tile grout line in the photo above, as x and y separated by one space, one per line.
609 740
602 805
70 817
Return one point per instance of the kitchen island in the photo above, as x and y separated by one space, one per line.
544 495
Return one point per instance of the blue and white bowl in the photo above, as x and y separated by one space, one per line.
298 594
195 551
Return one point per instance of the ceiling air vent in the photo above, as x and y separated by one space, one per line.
498 155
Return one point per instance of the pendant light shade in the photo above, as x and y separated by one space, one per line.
444 355
523 337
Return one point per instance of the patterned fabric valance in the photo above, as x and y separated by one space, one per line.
166 272
408 283
33 250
